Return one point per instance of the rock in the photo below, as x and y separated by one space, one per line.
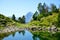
39 28
34 28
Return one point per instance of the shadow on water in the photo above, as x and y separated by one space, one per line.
27 35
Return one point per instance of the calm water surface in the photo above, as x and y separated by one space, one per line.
23 35
27 35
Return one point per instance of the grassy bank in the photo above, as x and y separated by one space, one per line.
46 21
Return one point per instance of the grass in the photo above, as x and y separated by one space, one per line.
1 28
20 25
46 21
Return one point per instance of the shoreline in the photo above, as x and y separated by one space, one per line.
13 29
10 29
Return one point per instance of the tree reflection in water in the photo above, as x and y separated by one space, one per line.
27 35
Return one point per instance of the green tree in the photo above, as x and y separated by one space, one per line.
35 15
13 17
19 19
43 8
58 24
39 17
23 19
40 7
53 8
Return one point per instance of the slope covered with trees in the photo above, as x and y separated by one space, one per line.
46 16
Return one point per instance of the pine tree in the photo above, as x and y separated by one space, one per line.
13 17
19 19
23 19
53 8
35 15
40 7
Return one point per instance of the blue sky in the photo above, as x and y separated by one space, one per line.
22 7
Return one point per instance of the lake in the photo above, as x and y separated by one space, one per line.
30 35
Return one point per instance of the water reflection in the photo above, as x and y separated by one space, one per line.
36 38
26 35
22 35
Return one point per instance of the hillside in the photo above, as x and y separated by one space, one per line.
5 21
46 21
8 22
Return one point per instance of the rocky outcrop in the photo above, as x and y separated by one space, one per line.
49 29
10 29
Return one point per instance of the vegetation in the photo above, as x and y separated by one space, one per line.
46 35
20 19
35 15
5 21
58 23
47 16
44 11
12 22
46 21
44 16
13 17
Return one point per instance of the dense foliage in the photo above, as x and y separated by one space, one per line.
13 17
46 35
47 16
21 19
44 16
58 23
5 21
44 10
